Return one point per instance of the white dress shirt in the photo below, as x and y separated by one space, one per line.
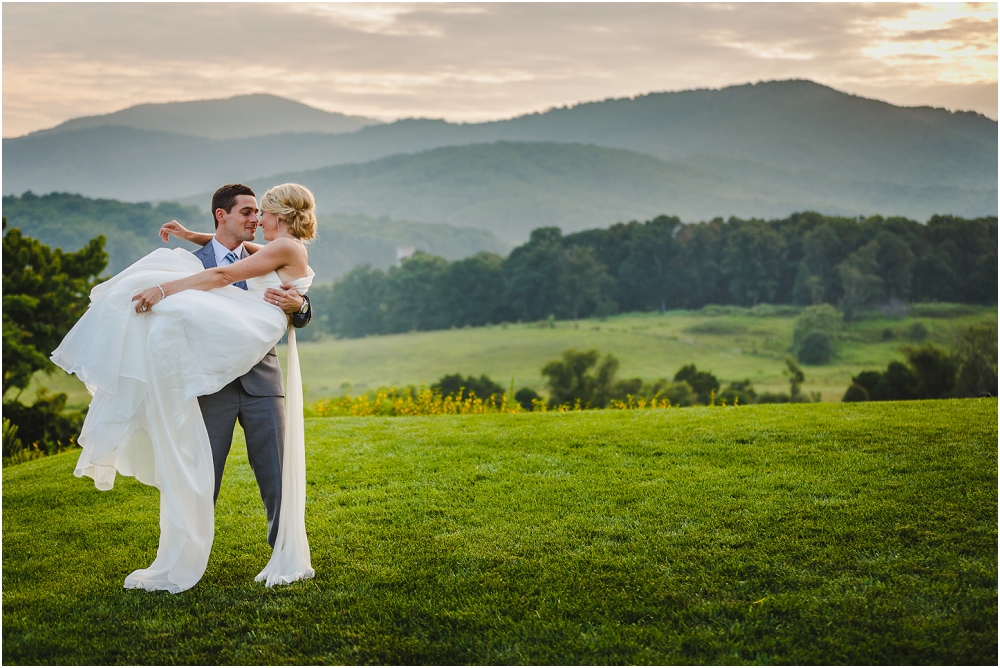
221 252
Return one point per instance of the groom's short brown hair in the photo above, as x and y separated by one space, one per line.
225 197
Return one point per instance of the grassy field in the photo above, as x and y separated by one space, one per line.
734 346
803 534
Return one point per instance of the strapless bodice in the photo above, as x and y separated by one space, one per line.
272 280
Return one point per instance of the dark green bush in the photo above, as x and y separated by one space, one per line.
45 425
702 382
856 393
742 390
484 388
527 397
917 331
815 348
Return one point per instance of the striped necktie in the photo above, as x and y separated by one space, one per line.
231 258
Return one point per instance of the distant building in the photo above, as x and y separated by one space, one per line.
403 252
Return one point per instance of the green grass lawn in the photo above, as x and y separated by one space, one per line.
649 345
822 533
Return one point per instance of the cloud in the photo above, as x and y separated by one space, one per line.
479 61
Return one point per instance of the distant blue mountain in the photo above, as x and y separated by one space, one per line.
230 118
767 149
511 188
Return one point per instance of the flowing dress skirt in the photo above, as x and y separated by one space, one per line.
146 372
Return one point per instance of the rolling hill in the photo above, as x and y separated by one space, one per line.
751 150
511 188
230 118
69 221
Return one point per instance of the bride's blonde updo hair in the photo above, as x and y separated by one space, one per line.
295 206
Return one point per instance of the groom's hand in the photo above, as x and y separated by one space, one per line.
284 297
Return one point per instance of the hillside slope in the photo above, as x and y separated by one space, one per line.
511 188
230 118
789 125
69 221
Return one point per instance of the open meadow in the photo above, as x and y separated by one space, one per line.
731 342
801 534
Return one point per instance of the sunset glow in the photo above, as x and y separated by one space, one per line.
474 62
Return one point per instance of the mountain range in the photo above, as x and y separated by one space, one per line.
231 118
764 150
512 188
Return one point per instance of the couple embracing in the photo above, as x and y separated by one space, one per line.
178 347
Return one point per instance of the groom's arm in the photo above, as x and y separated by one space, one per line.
291 302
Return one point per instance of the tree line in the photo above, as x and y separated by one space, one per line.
663 264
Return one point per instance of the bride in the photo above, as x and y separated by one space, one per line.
162 333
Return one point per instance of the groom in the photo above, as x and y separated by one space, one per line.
256 399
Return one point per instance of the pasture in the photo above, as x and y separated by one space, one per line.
731 342
802 534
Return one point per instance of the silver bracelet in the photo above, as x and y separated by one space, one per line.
163 295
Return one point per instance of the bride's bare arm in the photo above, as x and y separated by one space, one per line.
273 256
173 228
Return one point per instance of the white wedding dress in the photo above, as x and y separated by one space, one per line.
146 372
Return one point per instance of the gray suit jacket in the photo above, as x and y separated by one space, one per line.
264 380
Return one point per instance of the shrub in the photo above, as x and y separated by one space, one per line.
942 310
44 426
934 371
527 397
571 381
773 398
455 386
976 360
741 391
813 337
679 393
855 393
703 383
917 331
815 348
14 451
716 328
897 384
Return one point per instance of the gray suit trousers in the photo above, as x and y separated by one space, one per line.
263 422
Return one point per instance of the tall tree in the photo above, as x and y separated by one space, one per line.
651 276
583 282
860 280
754 257
816 269
469 292
356 302
45 291
409 293
533 276
895 265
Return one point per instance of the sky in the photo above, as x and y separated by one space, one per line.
476 62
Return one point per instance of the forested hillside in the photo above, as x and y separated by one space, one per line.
799 144
69 221
511 188
662 264
65 221
230 118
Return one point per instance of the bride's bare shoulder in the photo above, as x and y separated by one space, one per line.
286 244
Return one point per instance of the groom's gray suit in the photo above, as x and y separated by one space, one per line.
256 399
